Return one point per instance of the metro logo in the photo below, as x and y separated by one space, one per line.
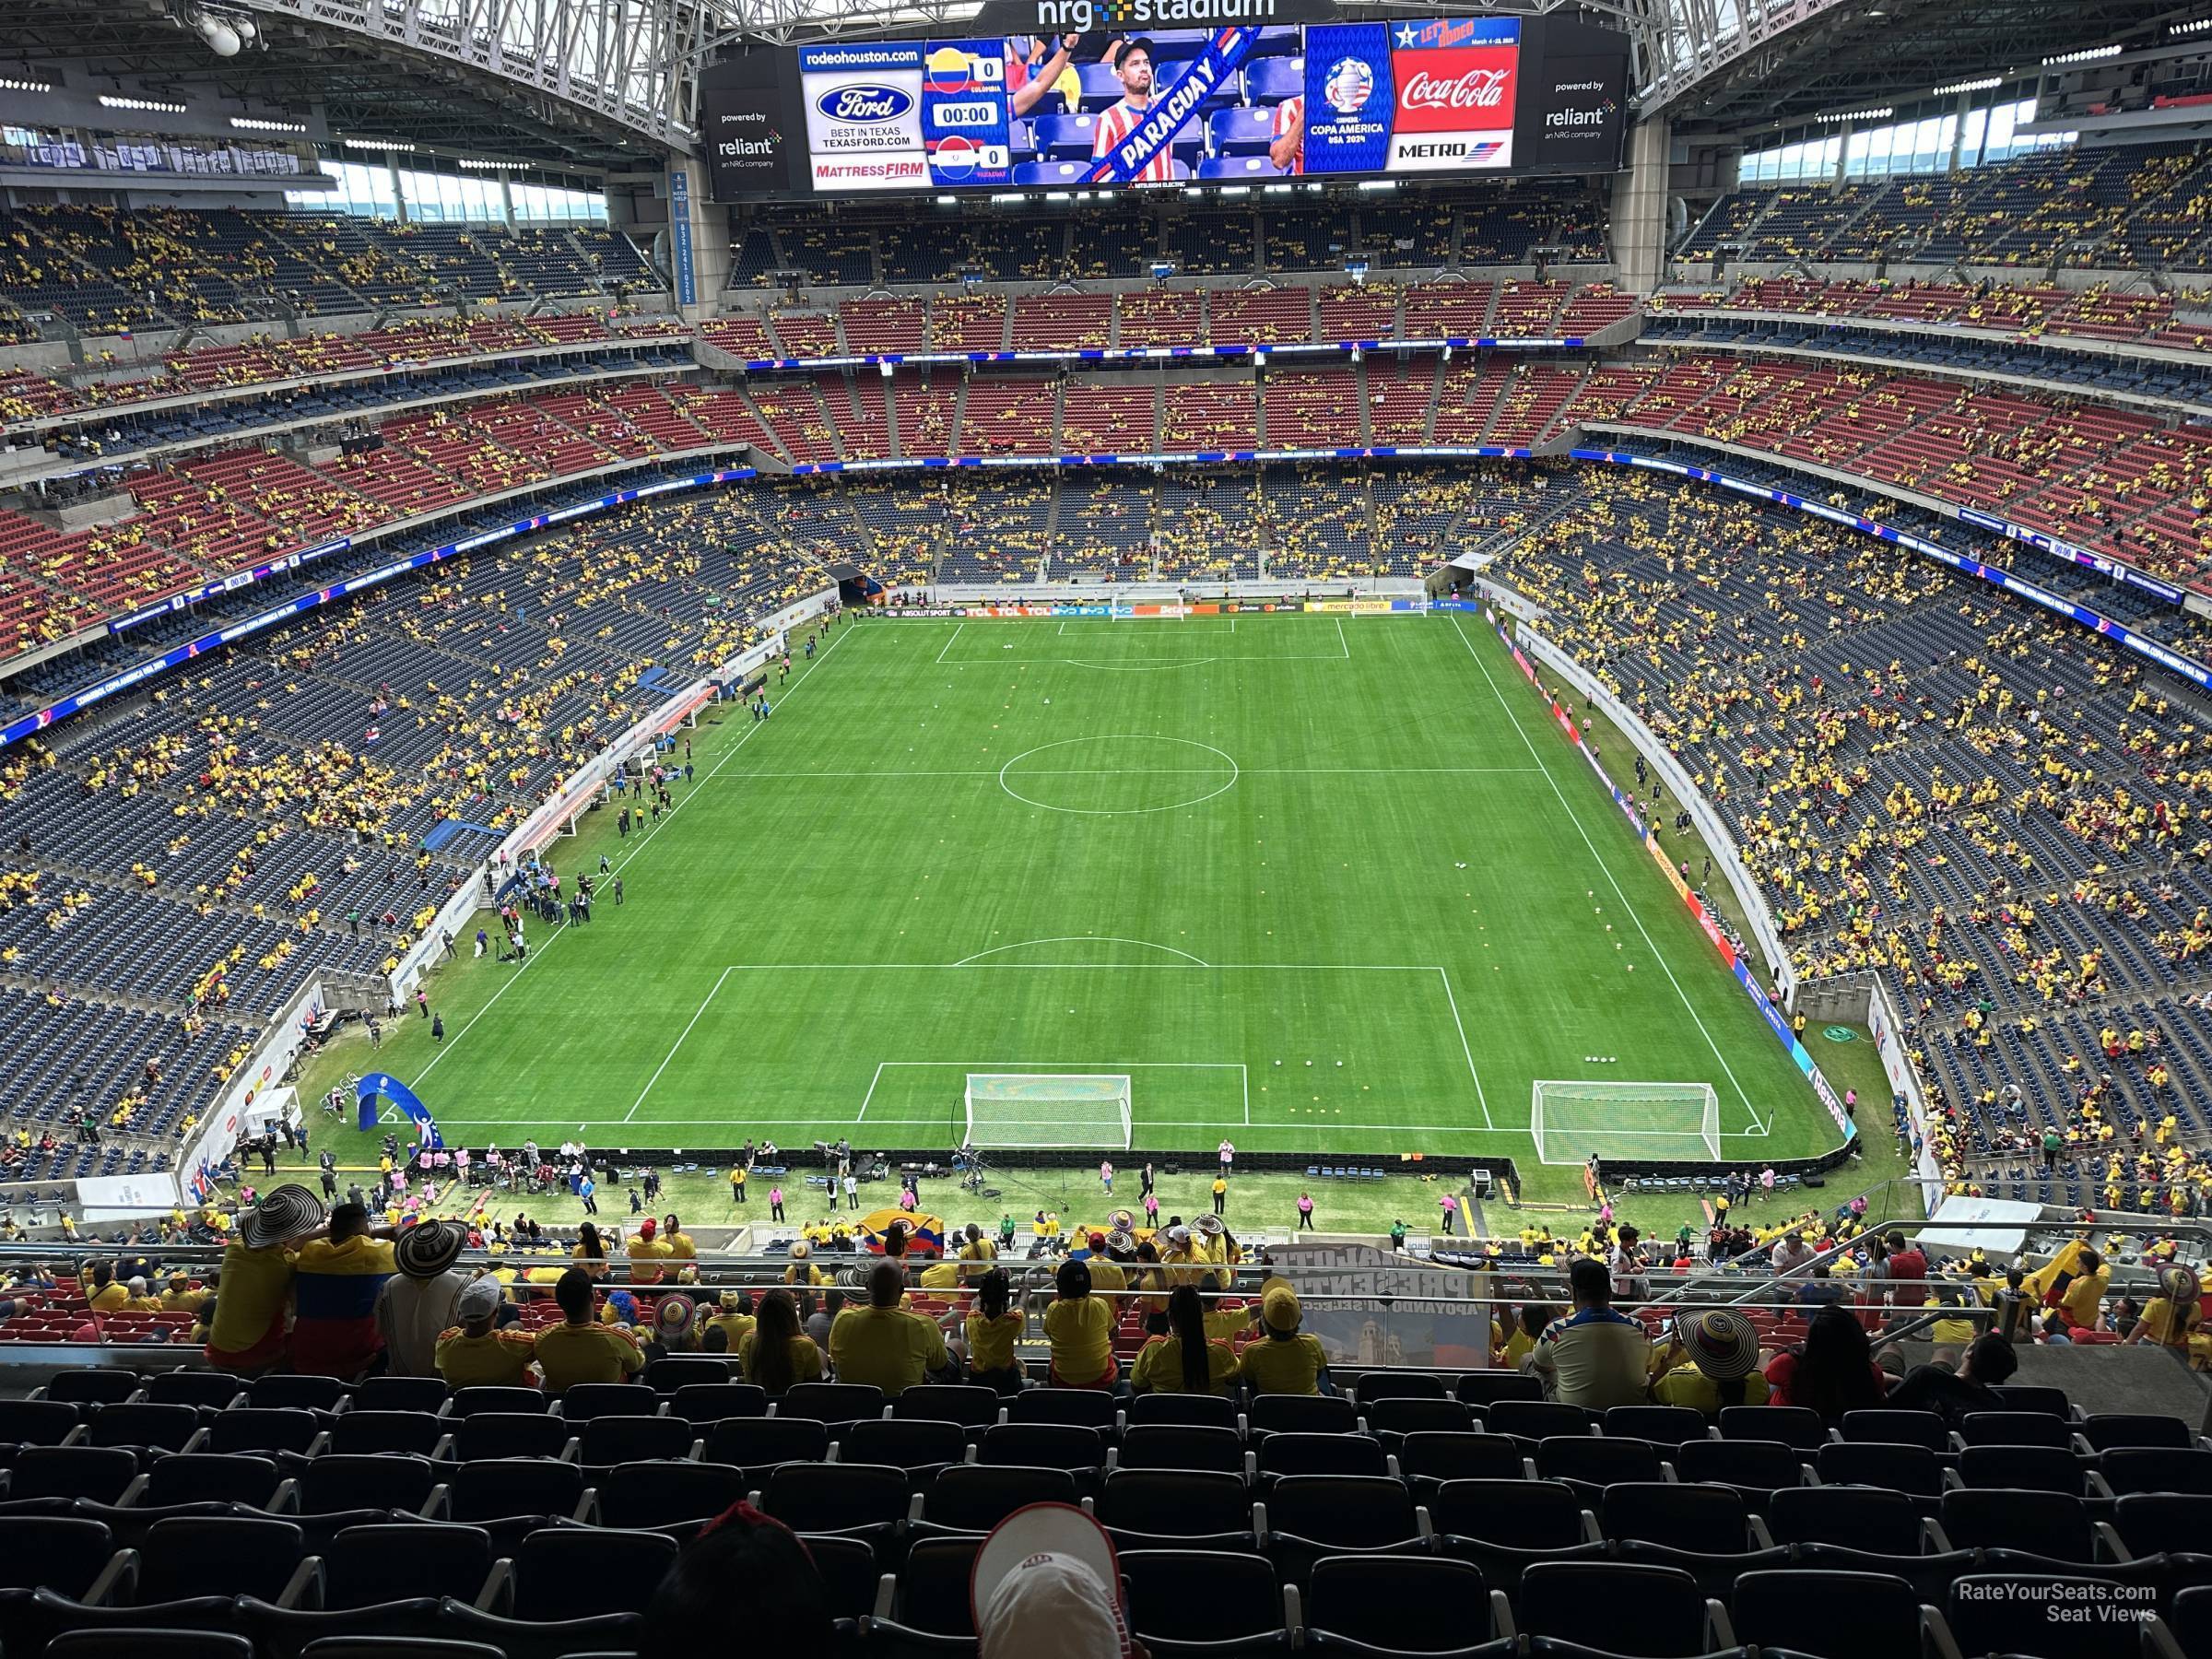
1455 88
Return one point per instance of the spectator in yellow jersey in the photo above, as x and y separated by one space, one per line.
733 1318
681 1248
1184 1361
646 1250
179 1296
248 1334
477 1352
775 1354
882 1343
1722 1348
1285 1359
1080 1328
1535 1316
581 1349
102 1292
802 1270
990 1331
977 1252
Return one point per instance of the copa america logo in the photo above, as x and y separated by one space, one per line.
1351 84
1476 89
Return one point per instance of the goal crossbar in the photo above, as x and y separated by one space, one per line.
1576 1119
1047 1110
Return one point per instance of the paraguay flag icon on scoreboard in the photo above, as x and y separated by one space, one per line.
964 125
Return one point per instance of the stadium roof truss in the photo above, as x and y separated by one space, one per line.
1738 63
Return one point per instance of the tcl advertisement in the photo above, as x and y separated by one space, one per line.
1238 103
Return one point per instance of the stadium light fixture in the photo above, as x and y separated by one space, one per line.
377 143
475 165
1834 117
254 123
2196 26
1378 184
157 106
1988 83
2087 55
9 84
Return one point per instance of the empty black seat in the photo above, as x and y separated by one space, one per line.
514 1496
210 1477
664 1494
1310 1516
515 1434
139 1423
1794 1426
1827 1614
606 1440
966 1403
371 1480
1361 1605
1393 1419
1303 1414
99 1473
1752 1468
1080 1407
2015 1429
1372 1386
931 1612
1045 1446
758 1445
2135 1469
384 1582
267 1428
1914 1470
1923 1429
2049 1525
975 1498
1863 1529
1196 1410
211 1388
575 1590
711 1402
1281 1454
38 1422
2034 1468
2115 1430
1594 1462
859 1498
1702 1530
1483 1388
490 1397
1178 1446
581 1402
418 1432
52 1552
831 1402
687 1371
2151 1522
93 1385
311 1394
1661 1425
131 1642
1425 1459
2010 1613
1170 1508
1620 1608
398 1393
1536 1419
2030 1396
1184 1602
919 1446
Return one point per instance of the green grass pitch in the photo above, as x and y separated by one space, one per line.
1318 885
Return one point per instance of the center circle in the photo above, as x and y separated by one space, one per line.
1110 776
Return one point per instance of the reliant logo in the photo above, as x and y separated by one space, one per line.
864 103
1057 14
1577 118
733 148
964 114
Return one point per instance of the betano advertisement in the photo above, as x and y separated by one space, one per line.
1107 108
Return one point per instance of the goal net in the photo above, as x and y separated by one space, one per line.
1047 1110
1571 1121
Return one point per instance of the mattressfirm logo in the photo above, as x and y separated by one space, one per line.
864 103
1058 15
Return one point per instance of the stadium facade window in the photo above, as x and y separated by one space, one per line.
364 189
1905 147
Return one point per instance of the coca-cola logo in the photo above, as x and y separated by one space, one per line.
1474 89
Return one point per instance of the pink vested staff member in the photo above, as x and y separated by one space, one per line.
1133 68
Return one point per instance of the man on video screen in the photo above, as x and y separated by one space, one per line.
1133 68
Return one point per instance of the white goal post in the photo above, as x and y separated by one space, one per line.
1035 1111
1573 1120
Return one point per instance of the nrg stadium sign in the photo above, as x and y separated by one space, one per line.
1121 17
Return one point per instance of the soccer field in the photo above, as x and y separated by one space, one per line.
1321 885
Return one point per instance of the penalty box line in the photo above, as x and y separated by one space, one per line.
1070 1067
1443 979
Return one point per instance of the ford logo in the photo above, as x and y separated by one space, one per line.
860 101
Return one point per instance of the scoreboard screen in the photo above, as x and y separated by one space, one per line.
1099 111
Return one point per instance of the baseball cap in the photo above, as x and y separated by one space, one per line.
479 1299
1142 43
1046 1581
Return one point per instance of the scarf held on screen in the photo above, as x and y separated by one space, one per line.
1174 109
